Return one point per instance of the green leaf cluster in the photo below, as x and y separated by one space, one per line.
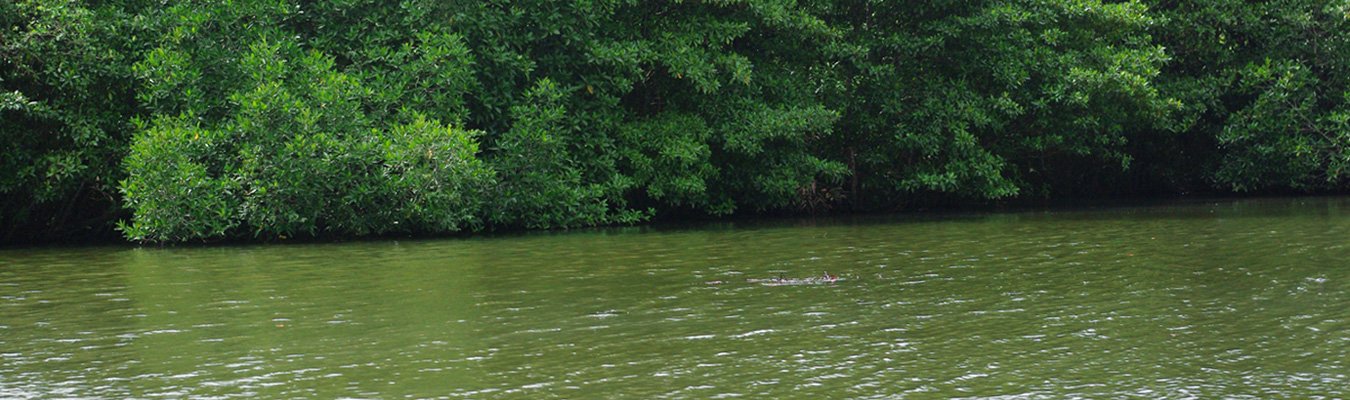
66 102
299 149
1267 89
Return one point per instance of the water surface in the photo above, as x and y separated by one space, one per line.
1228 299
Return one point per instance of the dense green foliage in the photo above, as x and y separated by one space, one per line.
995 99
282 144
1266 87
66 102
220 119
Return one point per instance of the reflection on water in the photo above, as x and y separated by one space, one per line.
1228 299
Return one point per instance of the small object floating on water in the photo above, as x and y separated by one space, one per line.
781 281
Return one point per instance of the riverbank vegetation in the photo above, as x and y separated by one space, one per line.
229 119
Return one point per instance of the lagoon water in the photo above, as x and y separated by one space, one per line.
1199 299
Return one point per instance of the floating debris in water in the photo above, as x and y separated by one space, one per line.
782 281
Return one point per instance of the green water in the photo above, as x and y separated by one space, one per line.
1245 299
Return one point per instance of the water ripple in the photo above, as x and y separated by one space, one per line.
1199 300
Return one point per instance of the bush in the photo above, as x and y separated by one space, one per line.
297 157
540 188
174 196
